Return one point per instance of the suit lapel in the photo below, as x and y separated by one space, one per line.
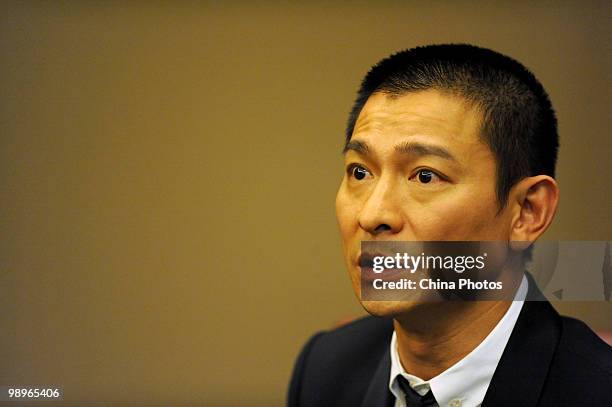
522 370
378 394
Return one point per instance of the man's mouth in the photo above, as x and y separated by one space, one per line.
366 264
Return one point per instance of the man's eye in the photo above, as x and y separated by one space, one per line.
425 176
358 172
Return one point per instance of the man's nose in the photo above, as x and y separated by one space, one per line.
381 212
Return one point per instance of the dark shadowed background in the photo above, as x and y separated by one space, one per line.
168 172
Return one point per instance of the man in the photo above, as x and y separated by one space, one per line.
451 143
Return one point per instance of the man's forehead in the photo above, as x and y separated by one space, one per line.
429 111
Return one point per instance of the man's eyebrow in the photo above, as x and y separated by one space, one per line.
355 145
421 149
415 148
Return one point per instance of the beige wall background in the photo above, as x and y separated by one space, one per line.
168 172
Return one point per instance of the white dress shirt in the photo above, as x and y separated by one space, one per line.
465 383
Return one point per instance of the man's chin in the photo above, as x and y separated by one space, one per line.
390 309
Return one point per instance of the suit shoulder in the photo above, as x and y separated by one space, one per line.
583 348
364 338
582 362
361 339
348 354
351 347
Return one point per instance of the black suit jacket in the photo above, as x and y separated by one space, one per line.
549 361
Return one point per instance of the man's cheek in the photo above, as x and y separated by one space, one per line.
433 225
448 225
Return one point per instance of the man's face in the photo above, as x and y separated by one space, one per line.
416 170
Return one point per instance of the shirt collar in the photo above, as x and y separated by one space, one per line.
468 379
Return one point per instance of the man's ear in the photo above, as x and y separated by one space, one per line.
535 200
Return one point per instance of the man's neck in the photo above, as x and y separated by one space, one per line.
434 336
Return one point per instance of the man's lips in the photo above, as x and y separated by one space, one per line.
366 259
366 264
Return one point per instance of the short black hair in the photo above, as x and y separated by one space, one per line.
518 121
